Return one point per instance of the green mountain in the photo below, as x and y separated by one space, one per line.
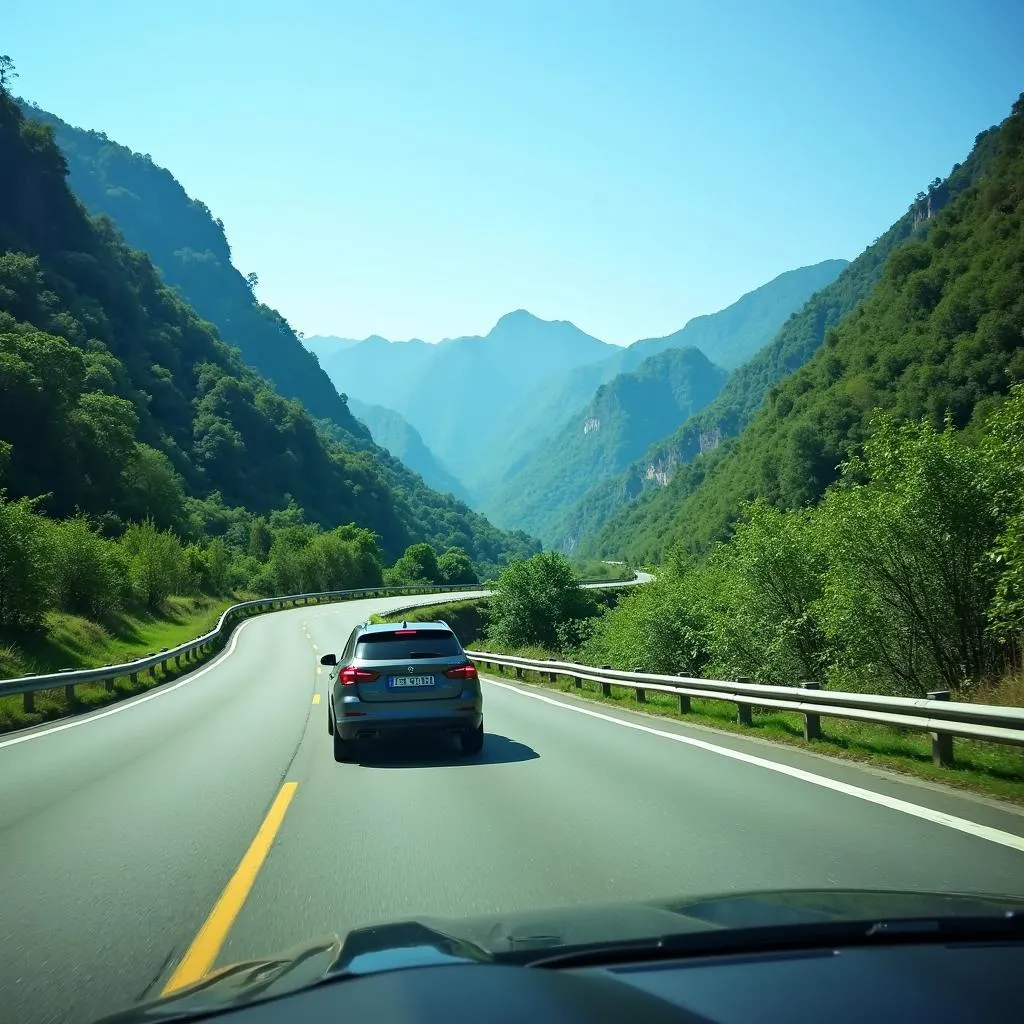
120 402
442 389
732 335
942 334
725 337
621 420
402 439
190 248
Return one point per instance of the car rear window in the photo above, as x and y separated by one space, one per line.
407 644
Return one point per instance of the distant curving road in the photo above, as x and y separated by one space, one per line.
120 830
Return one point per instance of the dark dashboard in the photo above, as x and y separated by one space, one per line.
937 982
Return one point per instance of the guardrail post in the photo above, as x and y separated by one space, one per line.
134 677
519 671
942 742
606 688
641 693
108 685
577 682
744 712
812 722
69 690
684 700
28 701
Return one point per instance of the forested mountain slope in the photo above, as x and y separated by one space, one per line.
624 417
454 392
745 325
119 401
190 248
942 334
392 431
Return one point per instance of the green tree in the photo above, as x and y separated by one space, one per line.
152 487
454 567
417 565
532 598
765 587
366 554
209 567
260 539
909 582
89 572
26 565
7 72
659 627
1003 454
157 565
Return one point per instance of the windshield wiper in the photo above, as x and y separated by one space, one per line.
816 935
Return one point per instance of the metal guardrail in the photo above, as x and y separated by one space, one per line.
193 650
936 714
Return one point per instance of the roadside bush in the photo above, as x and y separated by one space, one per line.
909 581
533 597
658 627
157 566
26 567
454 567
760 597
90 573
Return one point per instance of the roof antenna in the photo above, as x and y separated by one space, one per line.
404 624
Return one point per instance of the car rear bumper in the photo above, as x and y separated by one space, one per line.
370 726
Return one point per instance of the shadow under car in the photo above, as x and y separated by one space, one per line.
426 750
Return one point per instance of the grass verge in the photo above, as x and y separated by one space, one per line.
993 769
70 641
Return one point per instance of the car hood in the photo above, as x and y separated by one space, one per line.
520 937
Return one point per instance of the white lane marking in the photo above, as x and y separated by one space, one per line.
993 835
133 702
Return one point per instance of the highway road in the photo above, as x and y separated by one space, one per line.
208 822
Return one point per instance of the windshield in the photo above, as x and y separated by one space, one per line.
513 471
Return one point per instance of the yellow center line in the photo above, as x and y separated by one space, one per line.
200 956
316 698
315 648
319 669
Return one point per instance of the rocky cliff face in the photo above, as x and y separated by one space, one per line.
928 204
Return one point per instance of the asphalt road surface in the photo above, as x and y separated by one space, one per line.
208 822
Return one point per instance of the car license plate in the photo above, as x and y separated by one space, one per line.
406 682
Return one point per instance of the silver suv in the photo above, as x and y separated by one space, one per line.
393 678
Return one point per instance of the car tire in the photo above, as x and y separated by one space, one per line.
472 740
343 749
330 719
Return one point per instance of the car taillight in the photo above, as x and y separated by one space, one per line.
350 675
467 671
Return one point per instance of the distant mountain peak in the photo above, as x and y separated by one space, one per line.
518 319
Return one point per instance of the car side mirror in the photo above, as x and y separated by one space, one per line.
329 659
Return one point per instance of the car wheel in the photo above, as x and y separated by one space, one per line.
472 740
330 719
342 748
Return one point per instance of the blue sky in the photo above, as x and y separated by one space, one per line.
420 168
